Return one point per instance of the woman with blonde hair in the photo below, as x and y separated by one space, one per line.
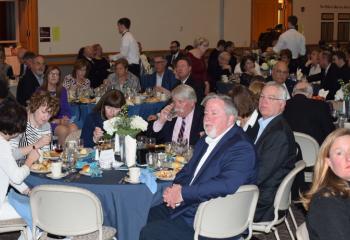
328 200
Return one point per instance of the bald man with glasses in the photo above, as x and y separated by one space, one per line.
280 75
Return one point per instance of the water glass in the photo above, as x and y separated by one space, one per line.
342 119
151 159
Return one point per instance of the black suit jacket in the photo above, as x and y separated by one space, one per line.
166 134
252 132
309 116
276 151
199 89
170 57
27 85
329 81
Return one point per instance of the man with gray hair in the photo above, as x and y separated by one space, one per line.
222 161
181 120
275 147
307 115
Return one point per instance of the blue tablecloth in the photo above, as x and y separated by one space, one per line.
125 206
80 111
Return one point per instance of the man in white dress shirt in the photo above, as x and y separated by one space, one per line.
291 39
129 48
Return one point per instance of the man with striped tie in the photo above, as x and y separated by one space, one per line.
181 120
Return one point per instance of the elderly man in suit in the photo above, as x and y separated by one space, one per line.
280 74
181 120
307 115
163 80
32 79
221 163
275 146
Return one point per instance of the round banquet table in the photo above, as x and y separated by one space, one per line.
81 110
125 206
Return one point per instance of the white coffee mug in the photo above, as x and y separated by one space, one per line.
138 100
56 169
134 174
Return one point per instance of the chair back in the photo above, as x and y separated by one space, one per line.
228 216
282 198
302 233
66 210
309 148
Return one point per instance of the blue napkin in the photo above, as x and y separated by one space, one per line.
82 162
147 177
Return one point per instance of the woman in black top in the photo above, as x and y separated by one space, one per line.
328 201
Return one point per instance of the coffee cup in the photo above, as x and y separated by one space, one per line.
137 100
56 169
134 174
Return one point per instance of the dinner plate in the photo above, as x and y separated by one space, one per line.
39 171
58 177
161 176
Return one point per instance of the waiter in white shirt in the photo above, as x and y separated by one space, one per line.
128 48
292 40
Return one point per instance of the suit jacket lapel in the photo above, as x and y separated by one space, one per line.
216 149
267 129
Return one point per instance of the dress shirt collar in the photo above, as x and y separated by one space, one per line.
327 68
211 141
184 81
251 121
124 32
39 78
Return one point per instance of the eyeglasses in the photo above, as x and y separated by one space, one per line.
270 98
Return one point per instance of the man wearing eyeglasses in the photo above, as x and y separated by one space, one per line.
276 148
280 74
163 80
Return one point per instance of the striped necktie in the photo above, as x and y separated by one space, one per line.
182 130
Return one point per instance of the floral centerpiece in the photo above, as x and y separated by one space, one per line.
344 92
124 125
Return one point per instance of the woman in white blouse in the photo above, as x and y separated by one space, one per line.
10 173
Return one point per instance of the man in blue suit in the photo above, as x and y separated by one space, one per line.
163 80
221 163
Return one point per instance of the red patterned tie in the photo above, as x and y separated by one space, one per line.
182 130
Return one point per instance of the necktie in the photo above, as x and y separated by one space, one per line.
172 60
182 130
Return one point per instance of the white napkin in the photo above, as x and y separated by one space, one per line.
299 74
339 95
130 151
323 93
106 158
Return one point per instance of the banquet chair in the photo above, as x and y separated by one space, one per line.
68 211
302 233
228 216
281 203
13 225
309 148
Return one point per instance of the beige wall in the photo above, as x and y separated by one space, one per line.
154 22
310 19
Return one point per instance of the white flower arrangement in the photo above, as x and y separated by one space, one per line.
265 66
137 122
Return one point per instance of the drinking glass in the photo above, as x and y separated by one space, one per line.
151 144
171 114
341 120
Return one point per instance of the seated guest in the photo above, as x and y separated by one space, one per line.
286 56
246 105
230 48
238 68
26 59
280 75
60 123
163 80
108 107
328 75
77 80
213 63
312 65
248 69
186 124
145 66
42 106
101 64
10 173
339 59
122 79
33 79
275 148
175 53
328 201
224 65
221 163
183 70
5 68
306 115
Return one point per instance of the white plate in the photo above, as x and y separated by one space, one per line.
59 177
126 179
84 173
39 171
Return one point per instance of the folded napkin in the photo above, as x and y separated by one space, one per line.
116 165
147 177
339 95
323 93
130 151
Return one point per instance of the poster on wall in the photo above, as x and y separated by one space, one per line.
45 34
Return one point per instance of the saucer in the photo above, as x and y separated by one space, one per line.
127 179
58 177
